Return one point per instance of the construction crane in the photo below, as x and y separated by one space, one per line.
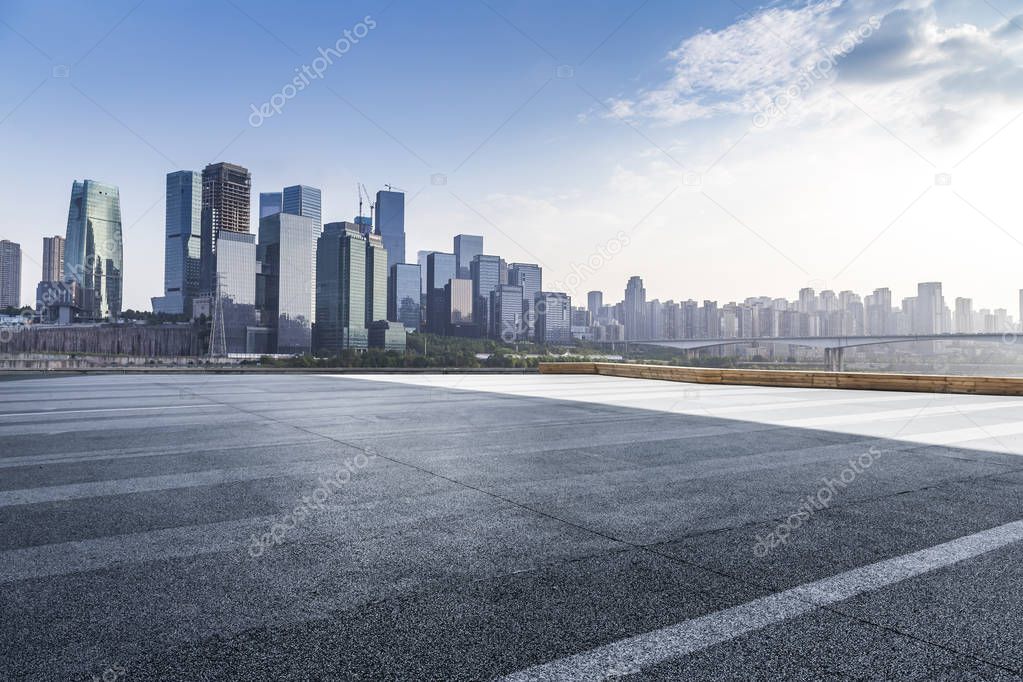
363 192
392 188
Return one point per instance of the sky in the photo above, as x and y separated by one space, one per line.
718 149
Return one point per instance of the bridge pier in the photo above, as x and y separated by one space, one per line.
834 359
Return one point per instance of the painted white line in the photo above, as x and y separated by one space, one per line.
102 409
693 635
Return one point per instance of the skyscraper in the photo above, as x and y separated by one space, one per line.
93 251
269 203
304 201
376 280
553 318
405 295
287 250
529 277
53 259
421 257
930 309
10 274
594 302
182 247
634 307
506 304
458 308
440 269
964 316
340 288
236 274
390 219
485 272
467 247
226 189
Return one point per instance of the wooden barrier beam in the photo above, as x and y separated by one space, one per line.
860 381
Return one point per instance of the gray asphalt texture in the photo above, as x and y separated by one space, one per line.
470 534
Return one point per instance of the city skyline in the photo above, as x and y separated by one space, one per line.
593 131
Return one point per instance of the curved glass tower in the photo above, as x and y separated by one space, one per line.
93 255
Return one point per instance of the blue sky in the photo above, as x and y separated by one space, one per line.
548 168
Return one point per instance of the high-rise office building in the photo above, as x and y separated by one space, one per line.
467 247
405 295
529 276
553 317
341 288
376 280
964 316
10 274
458 308
270 203
53 259
485 273
182 243
634 308
506 307
440 269
226 197
304 201
594 303
93 250
930 309
390 220
421 257
236 280
287 252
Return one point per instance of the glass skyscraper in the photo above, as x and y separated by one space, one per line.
304 201
269 203
467 247
236 273
340 288
93 250
390 220
376 280
440 269
506 304
485 272
287 248
404 291
530 278
183 245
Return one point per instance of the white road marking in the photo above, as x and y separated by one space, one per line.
693 635
50 413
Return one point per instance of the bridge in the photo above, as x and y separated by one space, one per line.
833 346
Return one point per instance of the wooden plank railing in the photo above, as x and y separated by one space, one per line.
915 383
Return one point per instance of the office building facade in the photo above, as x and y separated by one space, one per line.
376 279
10 274
304 201
340 289
390 225
93 248
236 286
554 317
53 259
485 273
182 243
440 269
226 196
287 251
529 277
507 312
269 203
467 247
404 294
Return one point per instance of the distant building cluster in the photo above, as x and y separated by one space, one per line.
296 286
812 314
